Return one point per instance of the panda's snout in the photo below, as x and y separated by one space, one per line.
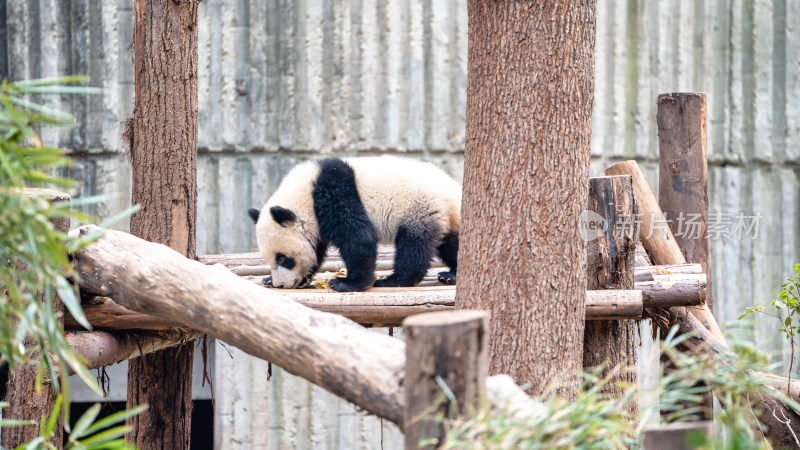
284 278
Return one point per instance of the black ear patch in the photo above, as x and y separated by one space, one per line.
282 215
253 213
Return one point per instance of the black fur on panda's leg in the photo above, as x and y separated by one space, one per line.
412 258
344 223
448 253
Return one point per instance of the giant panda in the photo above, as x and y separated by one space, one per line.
354 204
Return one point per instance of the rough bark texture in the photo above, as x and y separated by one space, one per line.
613 342
24 402
163 141
452 346
683 175
526 167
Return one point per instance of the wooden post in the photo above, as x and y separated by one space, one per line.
450 345
611 255
660 245
676 436
683 181
683 175
163 142
24 402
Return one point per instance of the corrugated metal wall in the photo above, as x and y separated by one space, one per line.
282 81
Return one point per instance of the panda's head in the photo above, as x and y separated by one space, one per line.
288 244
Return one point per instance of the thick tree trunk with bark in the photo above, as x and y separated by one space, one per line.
613 342
526 167
163 138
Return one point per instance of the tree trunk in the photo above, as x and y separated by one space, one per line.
526 167
163 140
613 342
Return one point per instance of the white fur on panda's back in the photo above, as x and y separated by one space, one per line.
397 190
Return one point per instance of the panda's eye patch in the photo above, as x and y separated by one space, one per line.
284 261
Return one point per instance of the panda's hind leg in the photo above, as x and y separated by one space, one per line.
413 254
448 253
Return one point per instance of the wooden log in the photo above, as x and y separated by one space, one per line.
102 349
389 306
672 269
104 313
613 305
25 401
683 174
453 347
611 265
676 436
356 364
661 245
667 294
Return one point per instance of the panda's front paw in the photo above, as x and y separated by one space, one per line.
342 285
267 281
447 278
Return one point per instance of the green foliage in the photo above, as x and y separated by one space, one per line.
33 255
592 420
88 433
597 420
730 376
787 309
787 306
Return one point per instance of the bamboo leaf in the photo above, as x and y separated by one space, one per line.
115 418
71 302
69 79
83 423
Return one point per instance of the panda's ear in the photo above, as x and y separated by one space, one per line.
253 213
282 215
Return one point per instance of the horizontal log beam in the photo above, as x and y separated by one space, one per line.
389 306
102 349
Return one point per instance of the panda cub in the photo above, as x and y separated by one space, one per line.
354 204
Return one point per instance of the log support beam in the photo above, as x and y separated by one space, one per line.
389 306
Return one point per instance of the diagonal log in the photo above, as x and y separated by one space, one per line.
657 238
356 364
